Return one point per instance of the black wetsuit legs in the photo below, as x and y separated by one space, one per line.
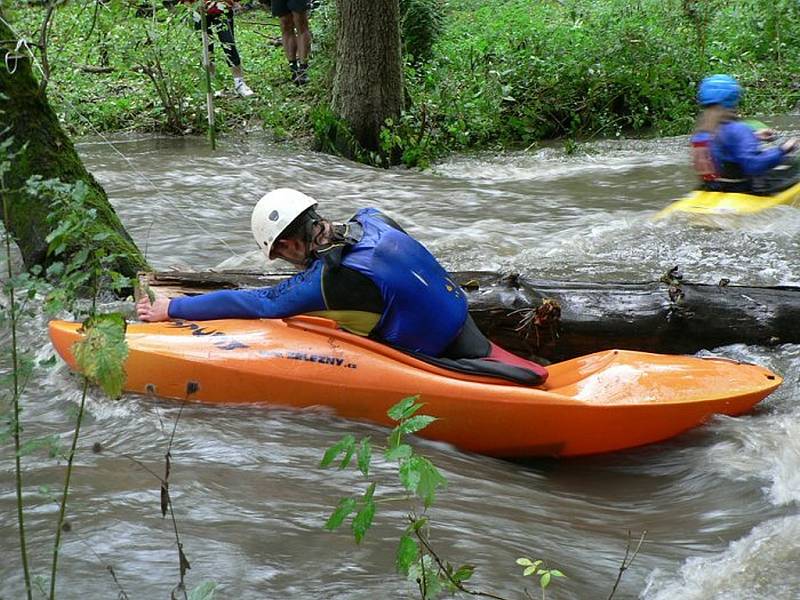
222 25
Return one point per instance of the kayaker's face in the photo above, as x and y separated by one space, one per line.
294 252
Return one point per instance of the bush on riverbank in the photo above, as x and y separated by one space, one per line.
515 72
502 72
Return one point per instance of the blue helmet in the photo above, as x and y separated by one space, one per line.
719 89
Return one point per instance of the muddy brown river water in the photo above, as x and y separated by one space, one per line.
719 504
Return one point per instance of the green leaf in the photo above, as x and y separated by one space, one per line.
48 362
428 573
463 573
398 452
407 554
545 580
50 443
348 455
525 562
417 524
429 480
418 475
5 434
557 573
80 258
416 423
334 451
529 571
395 438
204 591
410 474
405 408
345 507
101 352
364 456
363 520
56 234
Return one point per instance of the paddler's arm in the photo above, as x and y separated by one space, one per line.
299 294
748 152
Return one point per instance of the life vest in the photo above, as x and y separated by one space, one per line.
423 308
702 160
727 176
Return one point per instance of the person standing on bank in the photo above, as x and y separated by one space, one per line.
295 35
219 20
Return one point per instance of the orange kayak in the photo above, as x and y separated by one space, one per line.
602 402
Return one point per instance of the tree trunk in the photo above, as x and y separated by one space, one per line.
674 318
26 115
368 84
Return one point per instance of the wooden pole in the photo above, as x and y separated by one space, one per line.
207 69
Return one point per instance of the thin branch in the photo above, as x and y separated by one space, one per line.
143 466
625 562
94 19
183 562
443 569
122 593
65 495
43 45
95 69
16 397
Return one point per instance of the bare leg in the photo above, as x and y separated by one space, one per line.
289 39
303 39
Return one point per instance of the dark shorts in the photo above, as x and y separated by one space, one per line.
284 7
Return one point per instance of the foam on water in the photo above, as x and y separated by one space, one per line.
756 567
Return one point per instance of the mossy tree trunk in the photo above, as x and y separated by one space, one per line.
45 150
368 84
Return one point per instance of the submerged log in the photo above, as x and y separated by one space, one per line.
558 320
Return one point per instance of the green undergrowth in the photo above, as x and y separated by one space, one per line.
515 72
112 37
500 73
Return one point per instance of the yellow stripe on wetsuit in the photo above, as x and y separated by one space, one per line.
359 322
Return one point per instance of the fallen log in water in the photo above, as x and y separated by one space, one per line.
558 320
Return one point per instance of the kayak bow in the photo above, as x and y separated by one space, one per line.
701 202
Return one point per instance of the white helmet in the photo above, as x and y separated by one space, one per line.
274 213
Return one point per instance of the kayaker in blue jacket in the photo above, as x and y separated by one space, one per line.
367 274
728 154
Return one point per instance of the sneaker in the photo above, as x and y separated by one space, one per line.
241 88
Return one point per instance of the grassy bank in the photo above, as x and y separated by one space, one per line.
515 72
114 70
501 73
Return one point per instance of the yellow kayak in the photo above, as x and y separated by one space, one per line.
724 203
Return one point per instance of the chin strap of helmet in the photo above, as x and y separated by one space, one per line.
343 235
